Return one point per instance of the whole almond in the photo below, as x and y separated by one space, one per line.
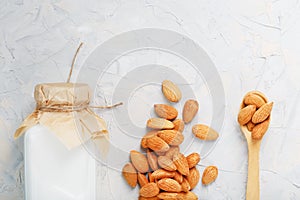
160 123
157 144
190 110
139 161
148 198
262 113
142 179
204 132
260 94
152 160
169 185
254 99
185 185
246 114
250 126
178 125
172 151
161 173
181 164
130 175
209 175
165 111
171 91
149 190
177 196
178 177
166 163
147 135
260 129
193 159
193 177
171 137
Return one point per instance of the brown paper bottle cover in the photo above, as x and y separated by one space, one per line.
64 109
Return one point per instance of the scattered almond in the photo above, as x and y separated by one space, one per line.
157 144
169 185
166 163
165 111
161 173
178 125
160 123
190 110
130 175
171 91
172 151
262 113
171 137
139 161
193 159
209 175
149 190
181 164
193 177
152 160
246 114
177 196
260 129
148 135
204 132
142 179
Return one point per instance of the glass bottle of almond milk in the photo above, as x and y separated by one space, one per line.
57 164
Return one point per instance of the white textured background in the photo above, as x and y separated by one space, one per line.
254 44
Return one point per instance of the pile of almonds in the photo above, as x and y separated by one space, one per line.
255 114
164 172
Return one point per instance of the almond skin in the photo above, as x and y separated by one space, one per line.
193 177
148 135
166 163
193 159
171 137
246 114
260 129
204 132
190 110
177 196
262 113
149 190
161 173
159 123
181 164
157 144
165 111
139 161
172 151
209 175
169 185
254 99
130 175
152 160
185 185
178 125
171 91
142 179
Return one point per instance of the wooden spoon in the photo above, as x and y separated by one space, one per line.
253 165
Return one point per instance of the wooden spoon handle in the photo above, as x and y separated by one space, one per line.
253 191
